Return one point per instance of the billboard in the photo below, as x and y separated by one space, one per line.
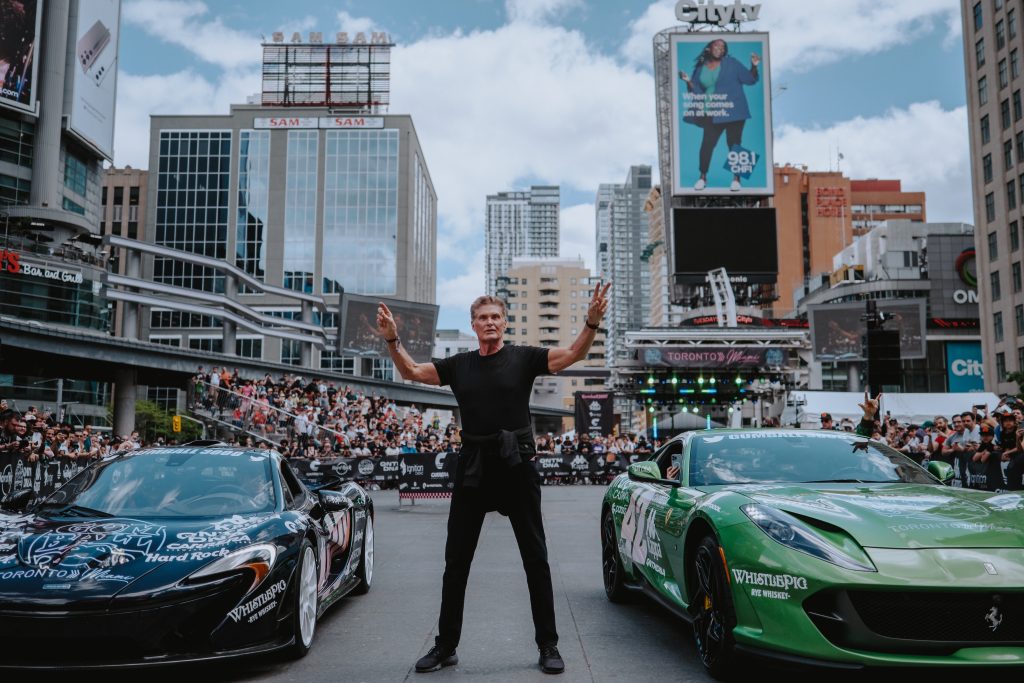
416 323
722 118
708 357
740 240
19 52
953 274
95 73
837 330
963 366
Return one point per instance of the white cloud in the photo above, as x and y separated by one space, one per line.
577 233
185 23
537 11
351 24
923 145
815 34
455 294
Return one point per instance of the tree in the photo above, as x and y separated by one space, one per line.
1018 377
153 422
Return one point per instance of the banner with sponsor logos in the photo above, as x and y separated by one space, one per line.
43 477
595 412
383 469
427 475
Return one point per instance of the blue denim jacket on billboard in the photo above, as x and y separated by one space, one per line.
731 79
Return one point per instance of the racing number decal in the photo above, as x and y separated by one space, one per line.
638 527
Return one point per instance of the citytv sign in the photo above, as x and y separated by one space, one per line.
707 12
964 368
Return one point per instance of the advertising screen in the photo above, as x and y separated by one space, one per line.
740 240
837 330
95 73
19 52
722 118
963 366
416 323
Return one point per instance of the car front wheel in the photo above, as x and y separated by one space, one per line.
304 601
714 616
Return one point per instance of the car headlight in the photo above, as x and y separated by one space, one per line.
258 558
788 531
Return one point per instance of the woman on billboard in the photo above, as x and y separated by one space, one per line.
716 73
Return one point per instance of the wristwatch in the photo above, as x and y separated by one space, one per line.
397 341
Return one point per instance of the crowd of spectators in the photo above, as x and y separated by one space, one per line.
38 435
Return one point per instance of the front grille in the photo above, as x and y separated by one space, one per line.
947 617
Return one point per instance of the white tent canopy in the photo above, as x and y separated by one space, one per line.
915 408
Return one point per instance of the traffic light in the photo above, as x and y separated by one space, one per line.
176 423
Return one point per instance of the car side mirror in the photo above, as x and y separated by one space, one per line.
942 471
18 501
648 471
332 501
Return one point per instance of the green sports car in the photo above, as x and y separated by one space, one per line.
821 547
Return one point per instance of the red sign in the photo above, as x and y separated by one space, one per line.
10 262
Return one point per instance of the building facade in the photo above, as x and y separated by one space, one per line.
602 227
123 214
993 45
905 261
520 225
819 213
630 295
663 312
297 199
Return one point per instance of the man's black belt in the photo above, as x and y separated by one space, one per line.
505 443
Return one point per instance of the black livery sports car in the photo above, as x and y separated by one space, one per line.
179 553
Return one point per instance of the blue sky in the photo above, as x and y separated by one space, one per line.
505 93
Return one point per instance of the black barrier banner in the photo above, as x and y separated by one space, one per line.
427 473
381 469
43 477
595 413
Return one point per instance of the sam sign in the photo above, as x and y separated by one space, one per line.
963 366
721 127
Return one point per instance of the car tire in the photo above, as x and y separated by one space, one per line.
365 569
305 601
713 611
611 564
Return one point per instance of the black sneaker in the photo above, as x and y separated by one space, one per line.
550 661
435 659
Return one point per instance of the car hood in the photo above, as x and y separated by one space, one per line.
904 515
58 561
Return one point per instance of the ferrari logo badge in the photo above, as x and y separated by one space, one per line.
994 618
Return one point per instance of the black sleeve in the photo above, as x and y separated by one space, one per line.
536 360
445 370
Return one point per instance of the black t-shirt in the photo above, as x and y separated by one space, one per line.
494 391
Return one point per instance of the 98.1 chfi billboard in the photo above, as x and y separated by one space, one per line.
722 122
19 52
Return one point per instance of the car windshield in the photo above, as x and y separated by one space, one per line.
799 457
177 482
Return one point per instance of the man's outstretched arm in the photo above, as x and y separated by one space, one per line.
408 368
560 358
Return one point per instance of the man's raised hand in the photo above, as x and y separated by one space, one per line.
386 326
598 304
870 405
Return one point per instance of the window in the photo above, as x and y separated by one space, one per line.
1000 35
1020 359
1014 64
1011 195
997 5
75 174
993 247
910 259
978 19
1000 367
1011 29
986 130
994 285
1018 314
1014 236
986 167
249 348
997 327
1004 74
1015 277
979 52
990 207
291 351
73 207
1004 113
1018 108
1007 155
982 91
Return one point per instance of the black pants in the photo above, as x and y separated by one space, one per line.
712 134
516 494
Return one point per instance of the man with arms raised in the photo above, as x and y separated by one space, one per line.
493 386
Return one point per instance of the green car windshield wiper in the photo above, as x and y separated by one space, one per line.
75 510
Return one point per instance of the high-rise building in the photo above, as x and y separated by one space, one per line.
520 225
547 306
56 130
124 214
603 223
630 295
993 43
818 214
663 312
